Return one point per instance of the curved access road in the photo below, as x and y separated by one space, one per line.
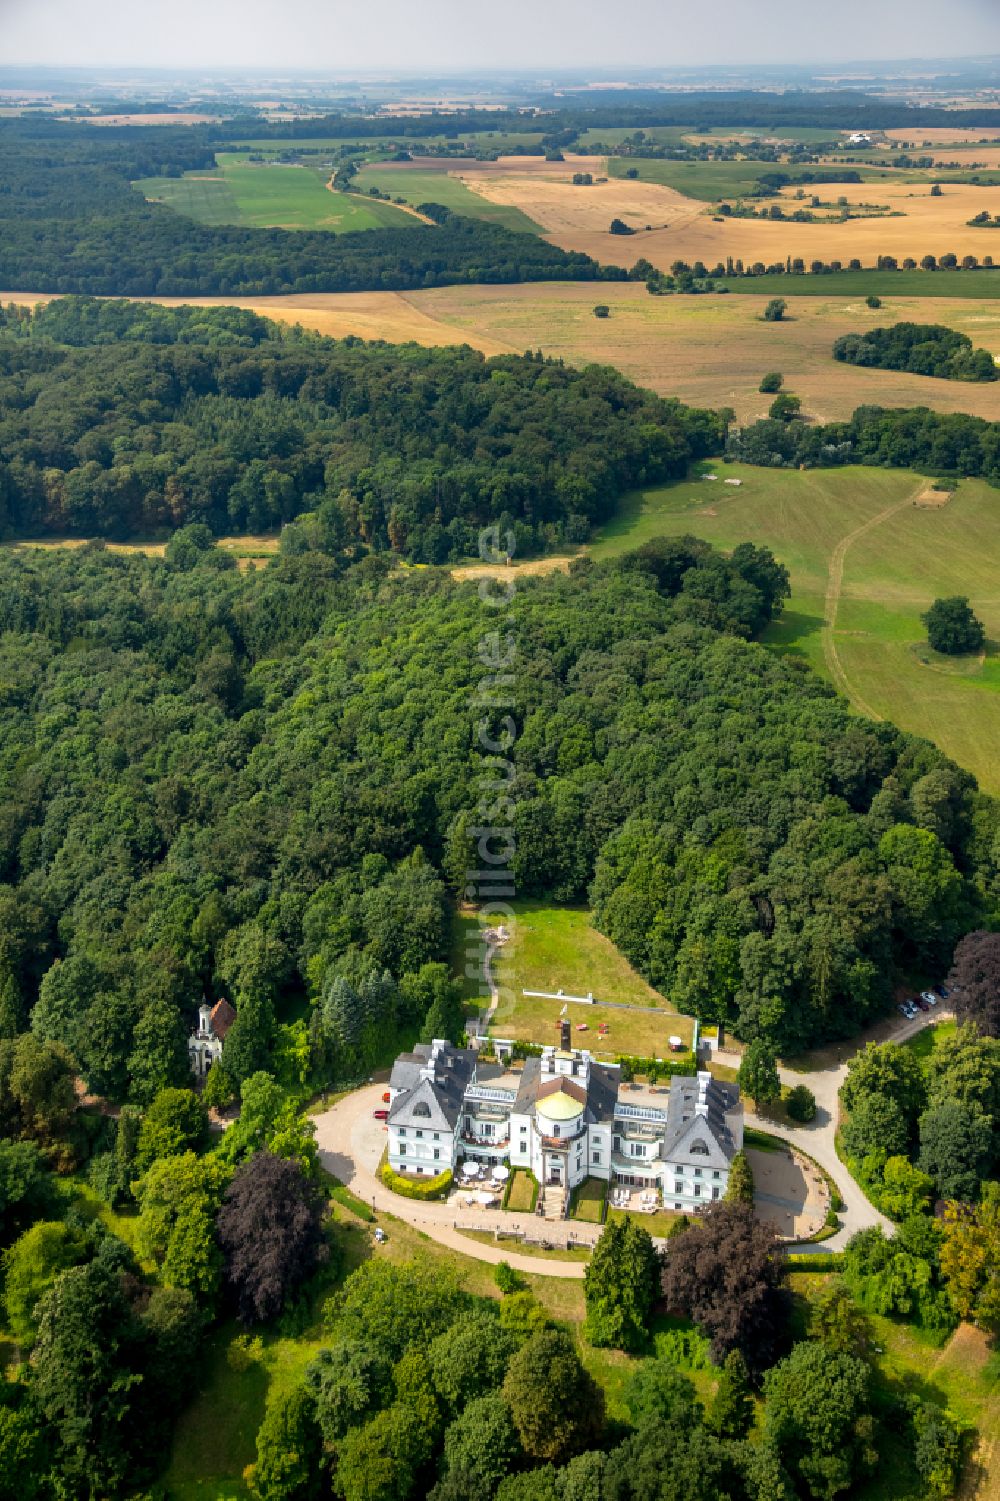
817 1139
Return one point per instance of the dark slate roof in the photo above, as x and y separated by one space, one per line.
685 1126
434 1102
602 1095
527 1094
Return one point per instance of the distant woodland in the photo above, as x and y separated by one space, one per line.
71 222
142 418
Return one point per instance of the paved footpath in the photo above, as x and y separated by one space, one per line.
351 1143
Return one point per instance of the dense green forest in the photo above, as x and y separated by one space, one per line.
391 447
71 222
268 784
921 349
947 443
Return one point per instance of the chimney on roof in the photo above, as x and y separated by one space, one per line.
704 1080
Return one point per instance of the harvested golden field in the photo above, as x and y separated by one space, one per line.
686 229
178 118
712 351
563 209
937 135
709 351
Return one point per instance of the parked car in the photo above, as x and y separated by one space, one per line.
929 997
942 991
919 1002
907 1010
381 1115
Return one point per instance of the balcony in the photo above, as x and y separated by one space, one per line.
485 1143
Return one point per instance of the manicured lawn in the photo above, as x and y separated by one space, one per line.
556 947
925 1043
437 185
523 1192
657 1224
588 1200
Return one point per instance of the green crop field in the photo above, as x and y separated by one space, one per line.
438 186
713 181
708 181
981 284
268 196
204 196
864 561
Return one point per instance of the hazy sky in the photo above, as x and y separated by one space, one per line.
454 34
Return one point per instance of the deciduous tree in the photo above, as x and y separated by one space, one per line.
557 1407
270 1228
975 980
726 1273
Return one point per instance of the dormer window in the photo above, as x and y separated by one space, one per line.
422 1109
698 1148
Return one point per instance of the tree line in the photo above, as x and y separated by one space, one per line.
133 427
946 443
631 109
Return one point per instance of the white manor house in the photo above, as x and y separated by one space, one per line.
565 1117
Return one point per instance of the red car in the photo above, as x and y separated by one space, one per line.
381 1115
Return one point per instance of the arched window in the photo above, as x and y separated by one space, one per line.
422 1109
698 1148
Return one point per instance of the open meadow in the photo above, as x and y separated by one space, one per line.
713 350
866 557
902 218
435 180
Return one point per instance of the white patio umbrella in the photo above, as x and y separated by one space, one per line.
502 1173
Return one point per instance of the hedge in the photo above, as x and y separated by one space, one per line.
414 1188
820 1261
654 1068
343 1196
